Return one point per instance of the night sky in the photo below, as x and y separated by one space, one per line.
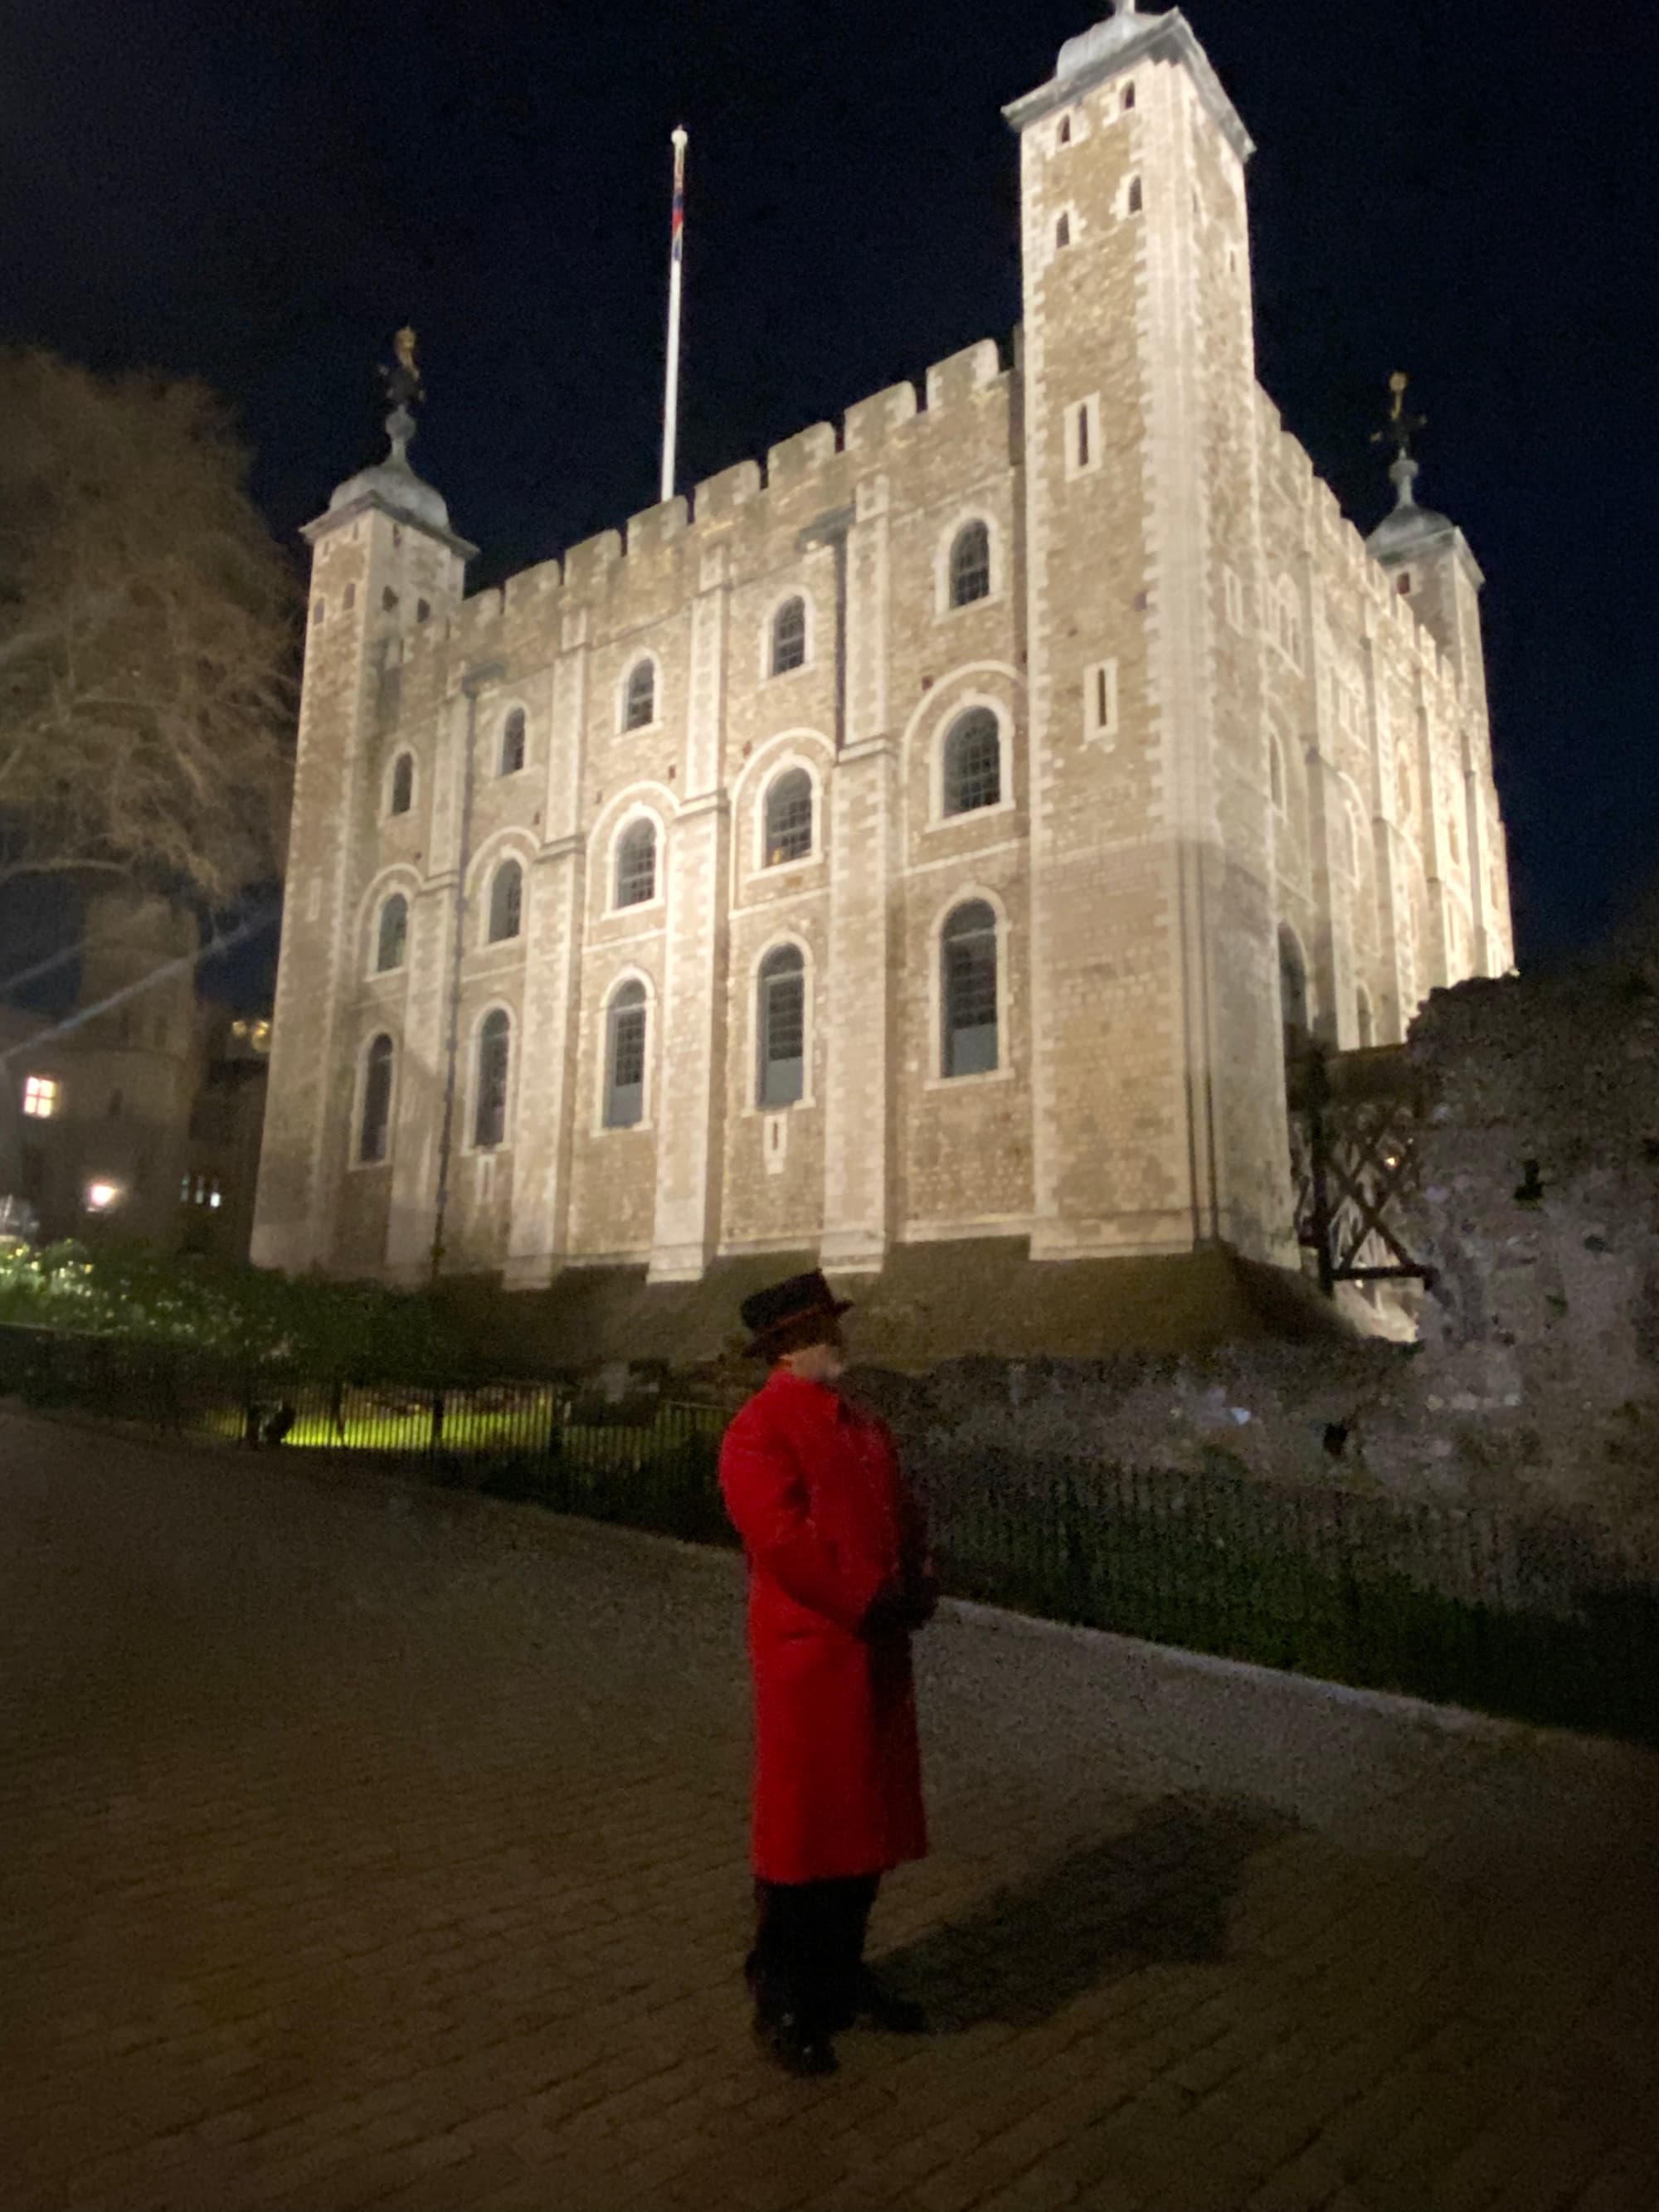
260 194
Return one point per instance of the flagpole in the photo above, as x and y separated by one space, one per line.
671 428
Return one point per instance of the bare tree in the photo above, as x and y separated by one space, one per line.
147 627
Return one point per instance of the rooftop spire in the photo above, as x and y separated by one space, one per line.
404 389
1399 431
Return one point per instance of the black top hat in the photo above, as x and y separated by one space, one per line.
803 1298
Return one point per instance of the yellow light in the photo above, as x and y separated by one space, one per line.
100 1196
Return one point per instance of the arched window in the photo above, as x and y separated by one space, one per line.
788 817
392 941
968 990
1294 994
640 696
970 565
1064 136
512 740
374 1131
1062 234
789 637
495 1054
505 902
636 865
403 784
1128 97
972 763
1137 197
1364 1020
624 1059
781 1024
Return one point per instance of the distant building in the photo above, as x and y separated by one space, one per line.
937 834
142 1118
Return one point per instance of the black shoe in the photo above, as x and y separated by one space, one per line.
800 2048
878 2006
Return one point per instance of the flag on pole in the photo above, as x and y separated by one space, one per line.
671 400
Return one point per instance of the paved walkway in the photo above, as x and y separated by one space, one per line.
369 1845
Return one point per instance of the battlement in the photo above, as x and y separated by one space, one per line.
814 466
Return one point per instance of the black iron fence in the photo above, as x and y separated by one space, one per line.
1477 1608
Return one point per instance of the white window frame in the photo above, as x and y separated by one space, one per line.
509 1111
635 815
395 888
944 608
355 1162
1004 1071
601 1055
753 1110
509 858
388 813
968 702
42 1098
510 707
767 673
1082 411
784 766
1100 677
625 729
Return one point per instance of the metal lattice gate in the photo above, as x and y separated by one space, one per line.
1356 1135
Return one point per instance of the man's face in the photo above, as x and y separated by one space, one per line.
823 1362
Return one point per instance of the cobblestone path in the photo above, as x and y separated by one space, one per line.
369 1845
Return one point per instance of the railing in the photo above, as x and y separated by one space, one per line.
1474 1608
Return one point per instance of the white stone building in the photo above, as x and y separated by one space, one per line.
926 836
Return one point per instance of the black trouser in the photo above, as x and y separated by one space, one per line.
809 1948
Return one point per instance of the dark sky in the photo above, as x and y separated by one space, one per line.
259 194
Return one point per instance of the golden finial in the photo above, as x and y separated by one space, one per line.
1401 427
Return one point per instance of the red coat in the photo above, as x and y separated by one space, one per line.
813 1487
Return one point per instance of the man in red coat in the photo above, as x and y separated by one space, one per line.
838 1578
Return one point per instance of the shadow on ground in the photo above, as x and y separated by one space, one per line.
1160 1895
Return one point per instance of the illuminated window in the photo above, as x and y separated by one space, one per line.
495 1048
968 990
513 742
374 1132
972 763
789 818
505 902
789 637
42 1097
970 565
782 1015
636 865
624 1088
392 943
640 696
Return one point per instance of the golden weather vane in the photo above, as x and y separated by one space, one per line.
1400 429
403 382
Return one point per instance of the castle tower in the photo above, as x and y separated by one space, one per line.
1158 1107
385 564
1429 559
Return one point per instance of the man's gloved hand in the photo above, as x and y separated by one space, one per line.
922 1597
899 1608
